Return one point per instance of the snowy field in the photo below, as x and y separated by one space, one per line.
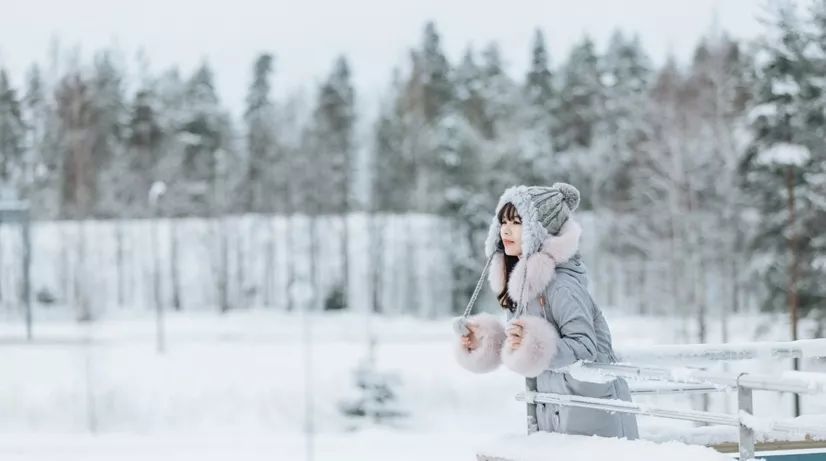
233 387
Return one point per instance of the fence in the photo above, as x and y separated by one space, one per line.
699 380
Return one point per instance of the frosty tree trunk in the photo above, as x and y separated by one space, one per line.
794 271
223 262
345 253
119 258
84 312
241 297
291 279
156 284
315 299
1 265
268 263
376 251
173 261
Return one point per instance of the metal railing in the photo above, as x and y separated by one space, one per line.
698 380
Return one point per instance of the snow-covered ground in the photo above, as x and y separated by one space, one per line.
233 386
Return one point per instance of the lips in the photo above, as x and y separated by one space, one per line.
509 242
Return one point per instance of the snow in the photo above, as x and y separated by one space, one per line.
761 425
786 154
374 444
788 87
761 110
715 435
544 446
235 382
581 373
816 381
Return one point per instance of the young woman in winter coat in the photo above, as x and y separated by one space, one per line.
535 267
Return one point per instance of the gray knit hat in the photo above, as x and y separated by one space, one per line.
544 210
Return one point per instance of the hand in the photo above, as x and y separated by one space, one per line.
471 340
515 332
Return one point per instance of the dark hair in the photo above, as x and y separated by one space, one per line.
508 212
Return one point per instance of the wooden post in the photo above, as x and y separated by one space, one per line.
745 404
530 387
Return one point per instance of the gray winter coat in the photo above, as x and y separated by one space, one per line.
584 335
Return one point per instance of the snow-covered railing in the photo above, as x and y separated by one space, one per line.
788 381
684 379
646 388
685 353
725 419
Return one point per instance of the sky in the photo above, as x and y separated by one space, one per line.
307 35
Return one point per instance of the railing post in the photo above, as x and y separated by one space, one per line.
530 387
745 404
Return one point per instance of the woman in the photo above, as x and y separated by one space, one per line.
536 271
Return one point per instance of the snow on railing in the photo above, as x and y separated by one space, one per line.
790 381
801 349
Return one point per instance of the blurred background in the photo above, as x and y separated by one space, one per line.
240 229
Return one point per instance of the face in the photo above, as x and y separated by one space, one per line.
511 234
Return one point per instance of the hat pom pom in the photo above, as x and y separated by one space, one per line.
570 193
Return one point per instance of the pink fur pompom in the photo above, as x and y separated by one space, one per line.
538 347
485 357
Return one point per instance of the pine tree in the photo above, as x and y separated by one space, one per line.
626 75
391 181
783 168
261 142
540 117
581 98
113 160
334 140
784 162
499 92
470 99
428 97
133 172
79 119
333 151
205 137
432 76
12 140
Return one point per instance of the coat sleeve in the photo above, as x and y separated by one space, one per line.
578 339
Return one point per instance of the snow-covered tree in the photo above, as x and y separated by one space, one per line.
332 134
261 146
12 138
540 114
783 169
79 117
391 160
581 98
376 398
622 129
44 159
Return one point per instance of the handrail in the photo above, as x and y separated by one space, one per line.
790 381
622 406
802 348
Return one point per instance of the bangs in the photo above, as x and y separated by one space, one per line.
508 213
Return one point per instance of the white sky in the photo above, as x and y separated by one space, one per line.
306 35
